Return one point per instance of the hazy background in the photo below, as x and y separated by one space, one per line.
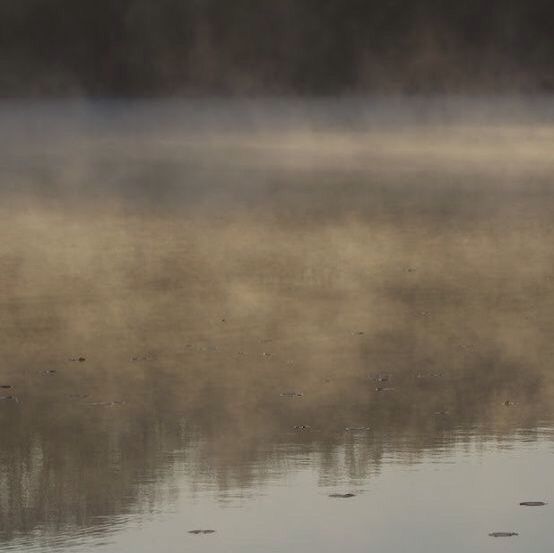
197 47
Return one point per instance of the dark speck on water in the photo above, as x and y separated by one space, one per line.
292 394
6 386
533 503
197 532
141 358
342 495
503 534
50 371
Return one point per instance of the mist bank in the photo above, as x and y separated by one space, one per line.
174 47
369 158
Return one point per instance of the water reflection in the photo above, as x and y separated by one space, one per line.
327 335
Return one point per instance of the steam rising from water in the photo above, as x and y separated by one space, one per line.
239 264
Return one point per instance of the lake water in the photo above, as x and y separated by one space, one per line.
219 315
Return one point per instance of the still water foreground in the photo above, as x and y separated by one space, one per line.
308 338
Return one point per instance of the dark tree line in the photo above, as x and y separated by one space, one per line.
151 47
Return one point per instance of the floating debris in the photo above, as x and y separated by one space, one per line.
503 534
357 429
342 495
533 503
266 354
509 403
358 333
49 371
292 394
380 389
6 386
302 427
201 532
77 359
147 357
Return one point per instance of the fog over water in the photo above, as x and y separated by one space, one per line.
276 301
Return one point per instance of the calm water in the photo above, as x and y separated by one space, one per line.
215 316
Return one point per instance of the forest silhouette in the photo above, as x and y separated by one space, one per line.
215 47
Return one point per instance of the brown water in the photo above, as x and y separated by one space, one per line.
273 310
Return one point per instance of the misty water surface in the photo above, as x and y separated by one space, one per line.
274 302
